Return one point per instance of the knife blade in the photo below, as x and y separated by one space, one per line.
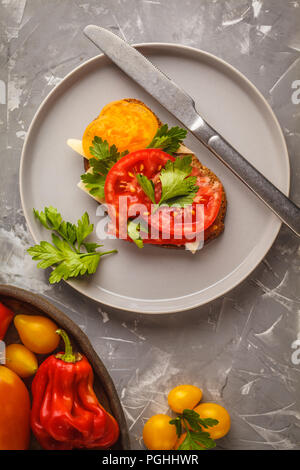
182 106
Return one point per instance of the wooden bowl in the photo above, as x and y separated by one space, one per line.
25 302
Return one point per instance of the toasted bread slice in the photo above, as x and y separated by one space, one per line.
211 232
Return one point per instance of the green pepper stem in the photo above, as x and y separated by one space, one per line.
68 355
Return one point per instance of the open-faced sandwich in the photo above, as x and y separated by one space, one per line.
155 189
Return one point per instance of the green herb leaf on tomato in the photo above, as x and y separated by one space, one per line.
178 188
196 422
178 425
147 186
196 438
65 254
105 157
197 441
134 232
168 140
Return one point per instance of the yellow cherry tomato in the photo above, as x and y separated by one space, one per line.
183 397
15 412
37 333
215 411
19 359
159 434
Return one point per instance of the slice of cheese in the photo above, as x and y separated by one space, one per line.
184 149
76 145
193 247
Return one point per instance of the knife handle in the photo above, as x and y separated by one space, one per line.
280 204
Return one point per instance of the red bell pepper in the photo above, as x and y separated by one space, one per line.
65 411
6 316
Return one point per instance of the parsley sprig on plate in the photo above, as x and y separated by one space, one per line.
191 423
105 157
65 253
178 188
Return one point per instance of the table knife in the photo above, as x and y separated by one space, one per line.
182 106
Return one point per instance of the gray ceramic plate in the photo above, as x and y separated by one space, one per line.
157 280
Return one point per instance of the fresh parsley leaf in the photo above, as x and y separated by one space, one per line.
94 183
196 422
147 186
134 232
47 253
101 150
167 139
64 253
181 201
68 231
83 229
196 438
42 217
50 218
91 247
75 265
105 157
178 188
101 166
197 441
208 422
178 425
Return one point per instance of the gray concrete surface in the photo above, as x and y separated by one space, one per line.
242 348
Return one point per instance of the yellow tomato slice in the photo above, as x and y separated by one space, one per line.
127 124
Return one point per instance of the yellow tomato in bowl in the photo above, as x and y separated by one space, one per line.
22 361
37 333
15 412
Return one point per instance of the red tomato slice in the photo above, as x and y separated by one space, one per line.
175 225
178 222
121 180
